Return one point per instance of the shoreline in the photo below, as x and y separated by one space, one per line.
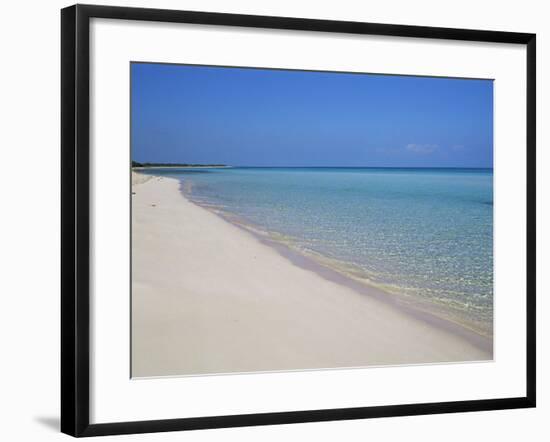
375 326
365 288
134 168
328 268
421 309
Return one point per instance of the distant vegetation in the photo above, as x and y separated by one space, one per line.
136 164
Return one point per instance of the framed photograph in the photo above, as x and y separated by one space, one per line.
273 220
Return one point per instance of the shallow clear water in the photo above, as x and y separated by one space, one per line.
426 234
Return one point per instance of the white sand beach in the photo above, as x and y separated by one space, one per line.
210 297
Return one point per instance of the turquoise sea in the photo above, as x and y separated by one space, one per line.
424 235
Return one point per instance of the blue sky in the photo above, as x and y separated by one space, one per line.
262 117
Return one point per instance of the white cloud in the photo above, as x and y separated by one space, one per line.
421 148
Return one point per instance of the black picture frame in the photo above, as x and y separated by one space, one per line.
75 225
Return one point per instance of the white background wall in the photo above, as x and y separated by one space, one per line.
29 219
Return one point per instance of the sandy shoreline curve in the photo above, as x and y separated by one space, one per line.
210 297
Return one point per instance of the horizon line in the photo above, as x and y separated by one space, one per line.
370 167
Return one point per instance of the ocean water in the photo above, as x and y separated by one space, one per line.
424 235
